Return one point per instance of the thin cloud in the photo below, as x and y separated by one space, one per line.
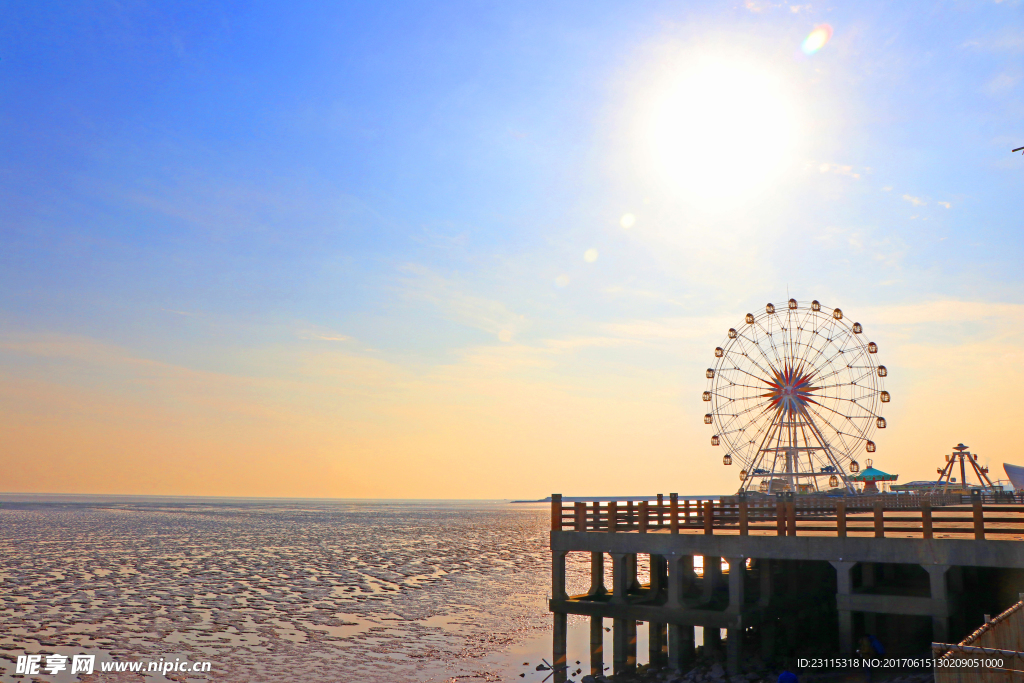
323 336
916 201
456 305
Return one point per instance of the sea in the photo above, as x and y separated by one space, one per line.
374 591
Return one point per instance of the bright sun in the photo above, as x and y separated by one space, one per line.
721 130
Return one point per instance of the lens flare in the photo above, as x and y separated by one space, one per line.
817 39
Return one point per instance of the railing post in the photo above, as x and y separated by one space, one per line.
581 516
661 509
629 515
556 511
643 517
979 521
780 517
926 518
686 513
841 519
709 517
673 512
879 520
613 516
790 518
743 518
597 516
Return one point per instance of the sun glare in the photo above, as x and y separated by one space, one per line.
721 130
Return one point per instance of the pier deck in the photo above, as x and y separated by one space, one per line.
863 556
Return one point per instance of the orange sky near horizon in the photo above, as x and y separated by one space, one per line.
594 416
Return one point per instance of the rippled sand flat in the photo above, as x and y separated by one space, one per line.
334 591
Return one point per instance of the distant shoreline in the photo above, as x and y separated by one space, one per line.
608 499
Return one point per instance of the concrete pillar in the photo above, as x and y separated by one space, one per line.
620 577
955 579
867 574
631 581
844 586
657 644
658 574
596 646
680 646
713 641
630 644
712 576
767 629
733 649
737 583
559 646
937 574
620 639
597 574
558 575
764 568
680 577
793 570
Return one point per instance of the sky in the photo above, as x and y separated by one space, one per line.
486 250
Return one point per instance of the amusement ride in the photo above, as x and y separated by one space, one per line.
794 398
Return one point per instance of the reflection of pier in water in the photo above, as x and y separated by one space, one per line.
914 569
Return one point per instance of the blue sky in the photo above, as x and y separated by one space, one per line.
371 222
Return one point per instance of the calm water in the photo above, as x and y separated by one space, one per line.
377 591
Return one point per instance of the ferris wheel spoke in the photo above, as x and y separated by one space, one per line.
763 355
753 361
748 373
860 433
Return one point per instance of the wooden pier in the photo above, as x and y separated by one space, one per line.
871 559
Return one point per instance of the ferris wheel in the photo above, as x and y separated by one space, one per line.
795 397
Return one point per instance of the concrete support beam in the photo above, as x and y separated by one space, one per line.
764 570
559 646
875 603
712 576
620 639
680 646
597 586
844 586
631 645
631 581
680 577
558 575
939 584
596 646
659 574
657 643
767 630
713 641
620 577
737 583
867 574
733 650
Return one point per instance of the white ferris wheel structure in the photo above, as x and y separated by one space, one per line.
795 397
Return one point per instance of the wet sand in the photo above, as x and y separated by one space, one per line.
340 591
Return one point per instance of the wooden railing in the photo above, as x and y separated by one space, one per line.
920 518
